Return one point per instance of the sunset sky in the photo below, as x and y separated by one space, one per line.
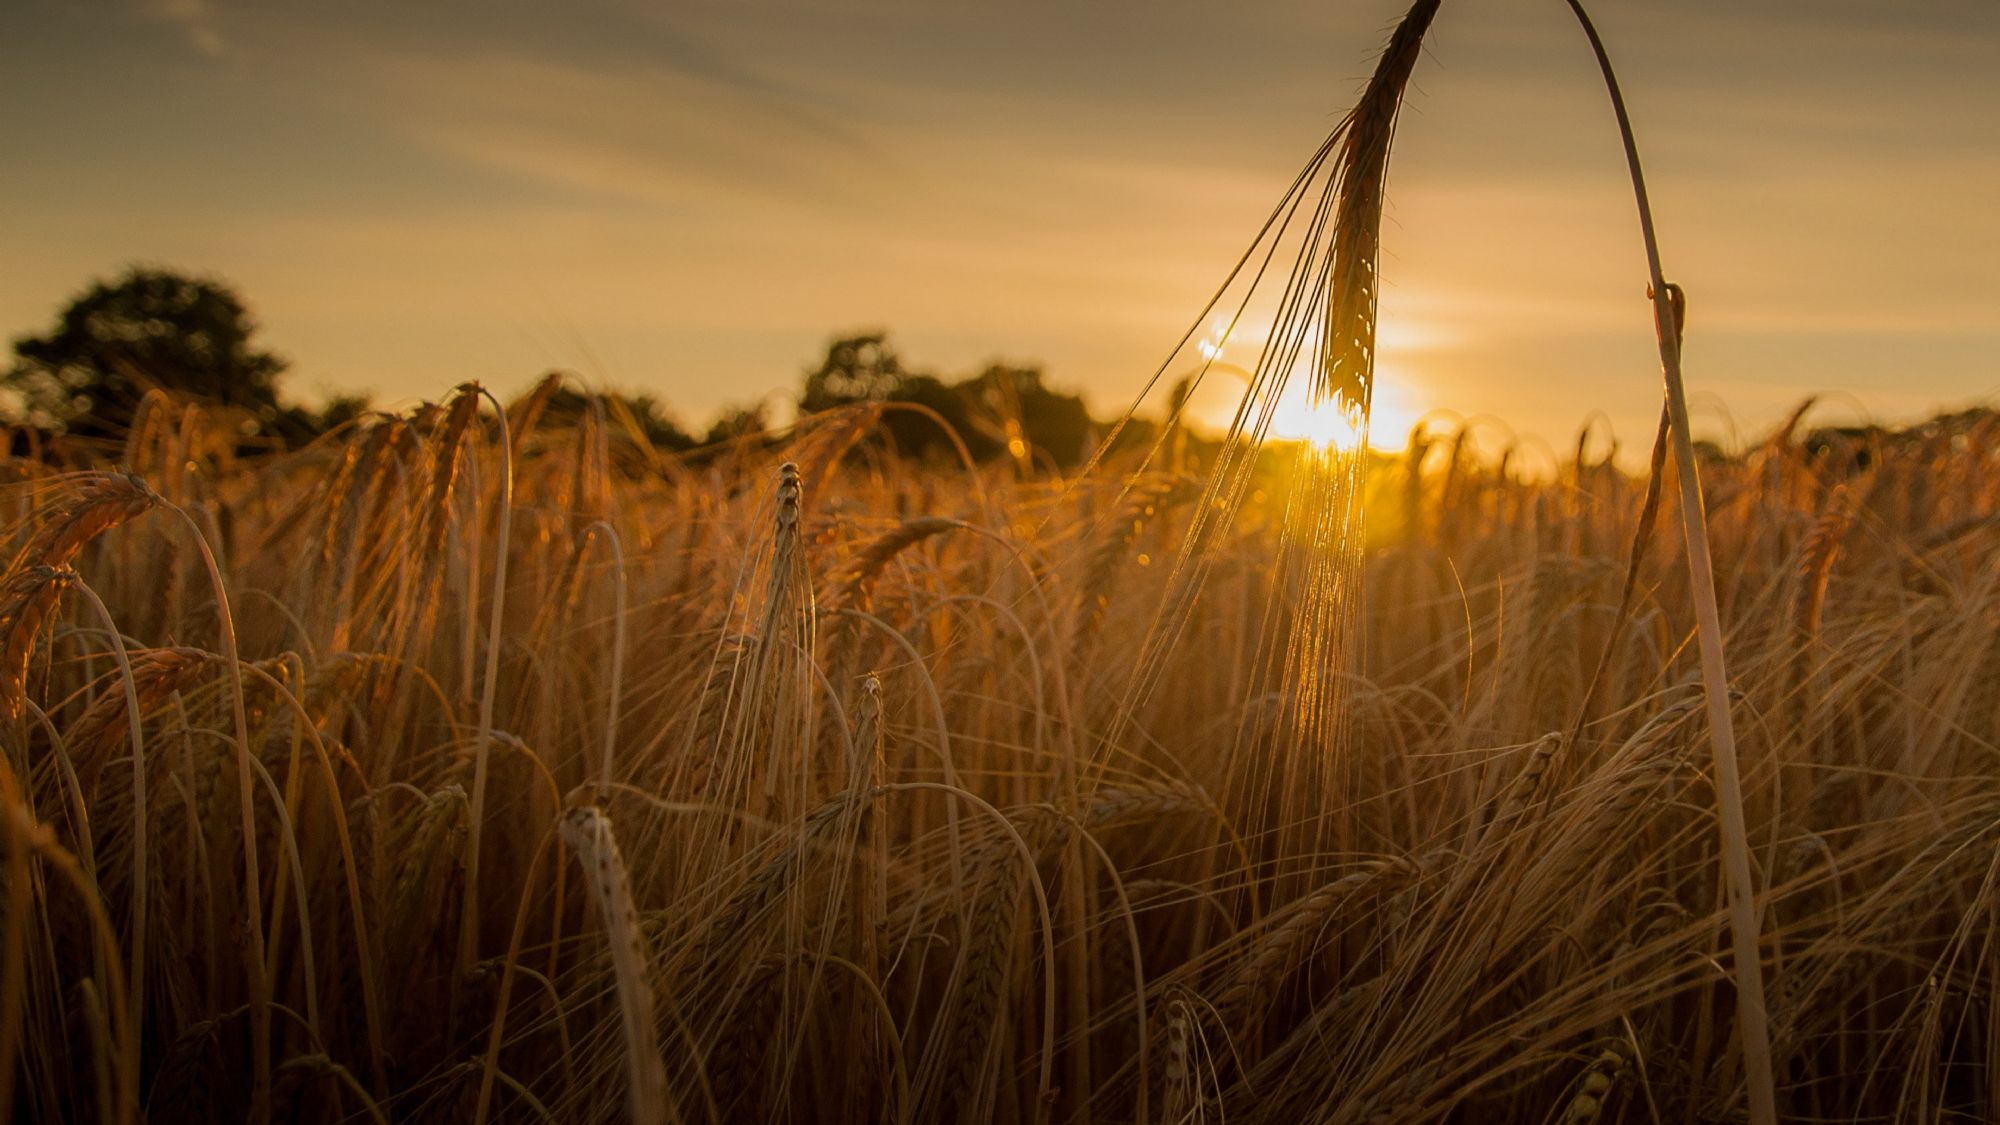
688 198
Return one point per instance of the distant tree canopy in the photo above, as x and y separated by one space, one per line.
149 328
194 337
739 422
1004 410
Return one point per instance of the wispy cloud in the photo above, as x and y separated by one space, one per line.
195 19
656 134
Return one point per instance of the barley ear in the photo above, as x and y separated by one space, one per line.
588 832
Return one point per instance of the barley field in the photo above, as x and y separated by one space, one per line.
547 780
486 762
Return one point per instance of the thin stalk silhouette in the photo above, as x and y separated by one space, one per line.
1751 1020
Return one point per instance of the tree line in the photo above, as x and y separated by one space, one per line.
194 337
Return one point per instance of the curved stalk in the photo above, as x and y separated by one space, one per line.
1751 1019
253 879
468 934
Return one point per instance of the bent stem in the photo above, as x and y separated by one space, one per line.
468 934
253 880
135 975
1750 1011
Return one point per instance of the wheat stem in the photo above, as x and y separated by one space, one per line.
468 933
135 975
1743 923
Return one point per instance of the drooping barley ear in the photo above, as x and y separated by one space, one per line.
1524 789
1815 571
984 977
1341 1016
1781 438
343 547
27 599
149 426
525 413
157 673
1137 801
428 857
1401 1098
1254 979
865 772
825 439
1320 554
590 464
852 582
1629 793
1327 324
791 494
588 832
1822 547
87 509
618 630
1347 373
446 445
298 1074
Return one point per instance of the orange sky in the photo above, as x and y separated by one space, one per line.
688 199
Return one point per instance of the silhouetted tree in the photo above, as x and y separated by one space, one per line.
739 422
991 412
338 411
860 368
149 328
1015 405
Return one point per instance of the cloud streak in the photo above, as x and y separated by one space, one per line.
195 20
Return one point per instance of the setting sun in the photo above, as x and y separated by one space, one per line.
1328 424
1324 422
1230 346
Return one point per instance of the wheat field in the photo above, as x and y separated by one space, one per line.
552 780
484 762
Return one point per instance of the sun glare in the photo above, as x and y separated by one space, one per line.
1327 425
1330 426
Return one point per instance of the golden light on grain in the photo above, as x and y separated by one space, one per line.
1334 426
1327 424
1324 423
1230 345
